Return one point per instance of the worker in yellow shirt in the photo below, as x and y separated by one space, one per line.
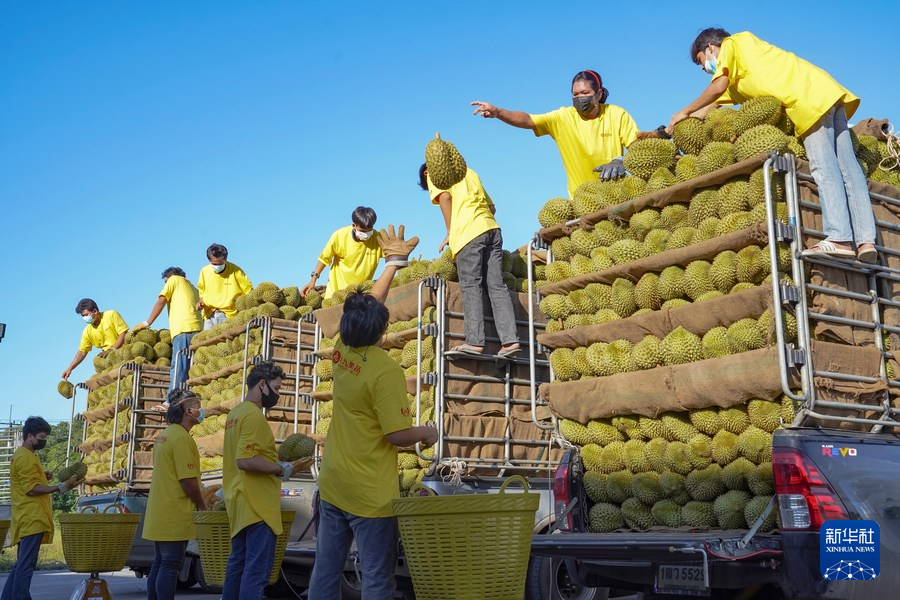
181 297
742 67
591 135
220 284
358 478
174 494
352 253
252 479
32 514
477 246
105 330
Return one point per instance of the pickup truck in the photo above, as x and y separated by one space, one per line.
835 460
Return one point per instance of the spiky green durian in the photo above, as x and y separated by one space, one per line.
667 513
698 514
721 124
603 433
622 297
446 166
715 343
714 156
734 418
734 474
744 335
729 509
732 196
634 458
759 140
678 458
755 507
632 187
755 444
600 260
762 110
724 449
637 514
705 420
580 353
681 346
671 283
629 425
764 414
672 485
579 265
722 272
671 215
655 241
646 156
788 410
626 250
697 279
605 315
608 233
707 229
605 517
686 168
583 302
705 484
618 486
643 221
647 354
704 204
563 364
751 264
574 431
617 358
690 135
558 270
677 427
583 242
591 456
556 306
556 211
562 249
595 486
761 480
65 389
662 178
297 446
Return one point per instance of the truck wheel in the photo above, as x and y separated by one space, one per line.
549 579
351 586
208 588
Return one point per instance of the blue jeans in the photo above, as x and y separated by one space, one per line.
214 319
181 364
250 563
163 577
19 581
376 542
843 191
480 265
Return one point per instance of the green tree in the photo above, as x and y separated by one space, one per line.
53 458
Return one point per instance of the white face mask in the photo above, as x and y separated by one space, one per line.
218 268
709 65
362 235
88 318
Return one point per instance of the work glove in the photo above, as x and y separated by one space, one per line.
612 170
288 471
139 326
396 250
70 483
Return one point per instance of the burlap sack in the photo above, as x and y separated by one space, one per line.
402 302
877 128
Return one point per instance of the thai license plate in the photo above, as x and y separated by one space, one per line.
683 579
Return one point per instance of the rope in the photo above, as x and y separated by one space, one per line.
563 442
456 468
892 160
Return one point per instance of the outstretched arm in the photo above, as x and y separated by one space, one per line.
396 252
516 118
79 356
709 96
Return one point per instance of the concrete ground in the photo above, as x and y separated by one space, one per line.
123 585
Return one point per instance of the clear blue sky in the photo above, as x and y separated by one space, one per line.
132 135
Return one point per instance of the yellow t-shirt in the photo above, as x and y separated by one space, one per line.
219 290
30 514
586 144
104 334
250 497
359 469
181 297
351 262
169 509
756 68
470 210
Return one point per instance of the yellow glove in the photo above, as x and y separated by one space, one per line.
139 326
396 250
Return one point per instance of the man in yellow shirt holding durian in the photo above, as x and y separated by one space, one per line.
742 67
105 330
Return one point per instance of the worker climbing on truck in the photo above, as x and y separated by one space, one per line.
105 330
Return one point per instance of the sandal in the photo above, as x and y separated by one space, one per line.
160 407
512 351
826 249
464 349
867 255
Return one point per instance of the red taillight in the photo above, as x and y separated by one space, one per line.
561 497
805 498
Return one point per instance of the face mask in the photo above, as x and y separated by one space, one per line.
88 318
218 268
584 104
709 65
200 416
40 444
362 235
270 398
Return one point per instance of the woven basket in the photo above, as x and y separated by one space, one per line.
214 541
468 547
4 529
94 542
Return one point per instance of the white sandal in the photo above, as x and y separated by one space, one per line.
826 249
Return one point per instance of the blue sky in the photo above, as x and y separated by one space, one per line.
133 135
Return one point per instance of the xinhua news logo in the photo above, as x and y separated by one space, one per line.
850 550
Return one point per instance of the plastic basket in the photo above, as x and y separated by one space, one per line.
468 547
214 542
4 529
93 542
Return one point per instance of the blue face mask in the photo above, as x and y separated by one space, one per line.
218 268
88 318
200 416
710 65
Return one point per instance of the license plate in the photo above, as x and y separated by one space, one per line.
684 579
